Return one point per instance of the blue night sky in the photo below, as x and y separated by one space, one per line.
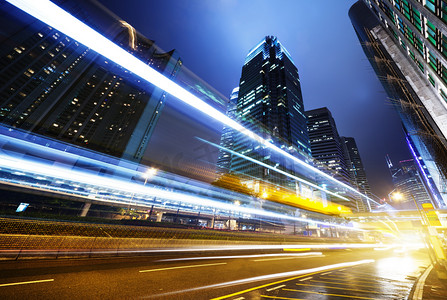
214 36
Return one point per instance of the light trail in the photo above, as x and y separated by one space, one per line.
181 267
38 168
293 274
242 256
56 17
274 169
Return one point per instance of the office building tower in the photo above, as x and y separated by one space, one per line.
269 103
227 138
327 147
356 169
404 42
54 86
407 182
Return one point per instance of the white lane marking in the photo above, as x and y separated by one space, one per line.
275 288
307 278
182 267
25 282
326 273
279 258
240 298
241 256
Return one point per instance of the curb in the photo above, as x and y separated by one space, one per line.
419 290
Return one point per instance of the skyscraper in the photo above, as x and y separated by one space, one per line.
356 168
327 147
227 138
54 86
269 103
405 43
408 183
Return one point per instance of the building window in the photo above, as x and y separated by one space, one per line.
443 95
444 73
406 9
431 32
416 18
430 5
444 45
431 79
433 61
444 10
419 45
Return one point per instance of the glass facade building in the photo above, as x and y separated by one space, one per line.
54 86
405 43
326 144
356 169
269 103
407 181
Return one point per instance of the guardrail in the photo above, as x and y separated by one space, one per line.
24 238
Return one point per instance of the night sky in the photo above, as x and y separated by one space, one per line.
214 36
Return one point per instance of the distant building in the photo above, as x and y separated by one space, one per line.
56 87
227 138
357 170
405 43
269 103
326 144
407 181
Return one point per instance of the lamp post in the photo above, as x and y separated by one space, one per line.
146 175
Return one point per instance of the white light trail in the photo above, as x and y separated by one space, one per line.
56 17
243 256
38 168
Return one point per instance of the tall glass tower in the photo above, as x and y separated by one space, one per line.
269 103
405 42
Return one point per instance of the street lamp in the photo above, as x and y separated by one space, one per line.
149 174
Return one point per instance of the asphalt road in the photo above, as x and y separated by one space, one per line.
342 274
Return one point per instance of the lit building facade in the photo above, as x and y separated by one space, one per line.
326 144
405 42
54 86
269 103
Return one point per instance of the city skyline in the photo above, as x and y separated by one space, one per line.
355 90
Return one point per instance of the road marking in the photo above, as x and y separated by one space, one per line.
280 258
281 298
275 288
307 272
307 278
181 267
326 273
339 288
337 295
343 283
25 282
240 298
348 280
